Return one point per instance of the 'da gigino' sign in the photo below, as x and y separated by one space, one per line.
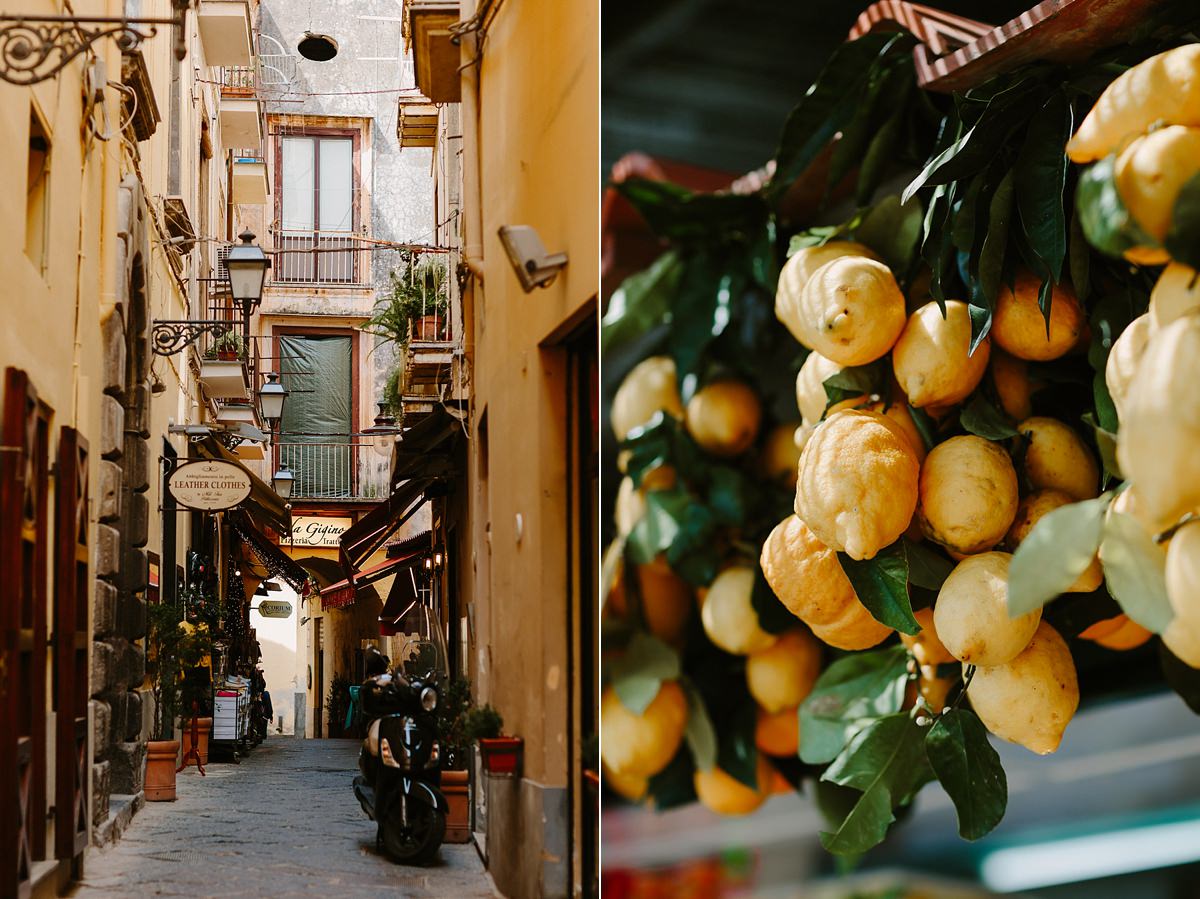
318 530
209 485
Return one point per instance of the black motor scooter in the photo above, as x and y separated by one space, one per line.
399 784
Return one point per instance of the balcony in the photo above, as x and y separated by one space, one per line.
427 33
321 258
241 121
238 81
227 365
248 175
335 467
225 32
416 122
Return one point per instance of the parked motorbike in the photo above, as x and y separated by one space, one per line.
399 787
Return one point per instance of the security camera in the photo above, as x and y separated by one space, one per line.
533 265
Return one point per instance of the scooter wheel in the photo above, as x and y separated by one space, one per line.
418 843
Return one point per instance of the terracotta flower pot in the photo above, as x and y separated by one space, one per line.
429 327
501 755
456 787
203 732
161 756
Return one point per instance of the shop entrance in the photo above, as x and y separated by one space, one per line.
319 678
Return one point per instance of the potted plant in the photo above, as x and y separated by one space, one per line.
166 642
415 304
501 754
338 704
453 707
196 694
227 348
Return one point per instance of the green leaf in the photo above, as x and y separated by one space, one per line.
773 615
726 495
675 785
885 763
737 755
969 769
892 230
926 568
855 381
1040 177
1183 238
1054 554
1079 259
991 260
641 302
1135 571
882 586
638 673
1106 221
1106 442
980 417
659 526
926 426
700 734
677 213
849 694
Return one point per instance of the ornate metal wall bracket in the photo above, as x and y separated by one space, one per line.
35 48
169 337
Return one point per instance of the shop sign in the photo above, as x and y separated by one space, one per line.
274 608
209 485
320 530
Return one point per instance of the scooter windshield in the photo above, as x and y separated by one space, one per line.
423 653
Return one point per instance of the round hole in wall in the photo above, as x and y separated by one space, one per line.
317 47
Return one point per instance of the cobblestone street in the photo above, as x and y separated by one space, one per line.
282 823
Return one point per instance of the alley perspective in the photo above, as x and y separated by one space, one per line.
298 448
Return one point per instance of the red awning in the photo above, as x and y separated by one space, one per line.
343 593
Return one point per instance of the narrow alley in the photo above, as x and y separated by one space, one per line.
282 823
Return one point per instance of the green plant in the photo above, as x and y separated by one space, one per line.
392 391
482 723
418 288
230 342
453 707
173 649
338 702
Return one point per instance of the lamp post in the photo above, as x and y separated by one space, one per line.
247 265
271 397
282 482
383 432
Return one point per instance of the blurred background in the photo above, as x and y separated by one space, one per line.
695 91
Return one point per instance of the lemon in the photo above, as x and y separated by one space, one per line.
851 310
968 494
728 615
1030 512
1175 294
648 388
1150 173
925 646
811 398
895 408
796 272
1182 635
1019 327
783 674
934 689
1056 458
630 506
723 417
725 795
971 615
1123 358
931 358
667 600
631 786
642 745
1164 88
781 456
778 733
1031 699
801 435
1156 446
808 579
1010 377
1125 634
857 487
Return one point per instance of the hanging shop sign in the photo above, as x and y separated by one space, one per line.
209 485
274 608
320 530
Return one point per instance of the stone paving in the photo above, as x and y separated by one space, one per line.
284 822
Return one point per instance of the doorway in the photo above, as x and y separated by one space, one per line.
319 678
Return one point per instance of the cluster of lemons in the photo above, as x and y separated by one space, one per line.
1149 117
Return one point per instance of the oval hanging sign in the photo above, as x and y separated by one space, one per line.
274 608
209 485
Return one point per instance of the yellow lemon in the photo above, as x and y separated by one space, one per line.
801 435
781 455
1182 635
971 613
630 506
1031 699
783 674
1019 327
968 494
1010 377
796 272
807 577
631 786
1030 512
811 398
858 482
1152 170
648 388
1124 633
778 733
926 648
642 745
931 358
667 601
1175 294
934 689
1123 358
1056 458
726 795
723 417
728 615
1164 88
851 310
896 408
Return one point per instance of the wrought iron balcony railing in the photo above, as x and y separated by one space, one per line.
331 258
335 466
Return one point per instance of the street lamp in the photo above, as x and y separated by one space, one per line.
383 432
282 482
270 400
247 265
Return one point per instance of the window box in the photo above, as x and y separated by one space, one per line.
225 32
250 184
223 379
241 122
435 58
501 755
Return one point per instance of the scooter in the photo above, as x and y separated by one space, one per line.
400 780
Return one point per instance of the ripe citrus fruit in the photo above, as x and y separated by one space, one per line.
648 388
895 408
1030 512
1119 633
1031 699
1175 294
1150 173
811 398
931 358
934 689
728 615
796 272
631 786
1057 458
851 310
926 648
968 494
642 745
667 600
630 506
1010 377
781 456
971 614
783 674
858 482
723 417
726 795
1182 635
778 733
1019 327
1124 357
